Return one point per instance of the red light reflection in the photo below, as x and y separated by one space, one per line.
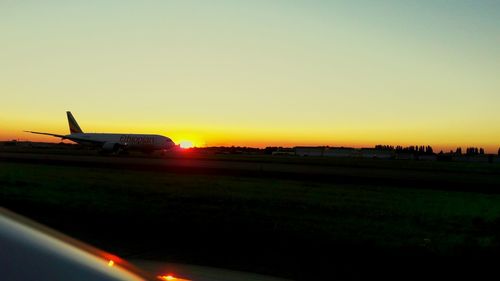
170 277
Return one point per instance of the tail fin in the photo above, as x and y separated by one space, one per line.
73 126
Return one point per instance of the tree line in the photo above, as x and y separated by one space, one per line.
428 150
413 149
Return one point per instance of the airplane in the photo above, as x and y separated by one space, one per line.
113 142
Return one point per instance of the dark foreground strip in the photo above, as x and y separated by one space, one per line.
310 173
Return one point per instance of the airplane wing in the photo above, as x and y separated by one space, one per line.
67 137
47 134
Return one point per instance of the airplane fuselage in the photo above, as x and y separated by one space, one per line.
130 141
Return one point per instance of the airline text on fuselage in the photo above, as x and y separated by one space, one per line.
137 140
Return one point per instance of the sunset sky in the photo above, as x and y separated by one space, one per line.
255 73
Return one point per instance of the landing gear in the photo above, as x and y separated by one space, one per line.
113 149
122 151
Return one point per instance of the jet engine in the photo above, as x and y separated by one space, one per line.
111 147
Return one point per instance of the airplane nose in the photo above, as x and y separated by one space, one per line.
169 143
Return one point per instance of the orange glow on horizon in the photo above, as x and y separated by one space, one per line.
111 263
286 142
261 138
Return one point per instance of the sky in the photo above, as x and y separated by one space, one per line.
255 73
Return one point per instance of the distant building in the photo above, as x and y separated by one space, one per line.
9 143
284 151
376 153
309 150
343 152
471 158
340 152
430 157
404 156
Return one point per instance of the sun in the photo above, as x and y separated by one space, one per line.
186 144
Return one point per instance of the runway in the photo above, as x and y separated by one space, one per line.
372 175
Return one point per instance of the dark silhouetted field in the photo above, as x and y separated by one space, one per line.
345 223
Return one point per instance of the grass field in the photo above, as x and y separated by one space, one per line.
267 225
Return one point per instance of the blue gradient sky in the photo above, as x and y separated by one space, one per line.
256 72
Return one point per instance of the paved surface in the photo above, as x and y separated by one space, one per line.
373 176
